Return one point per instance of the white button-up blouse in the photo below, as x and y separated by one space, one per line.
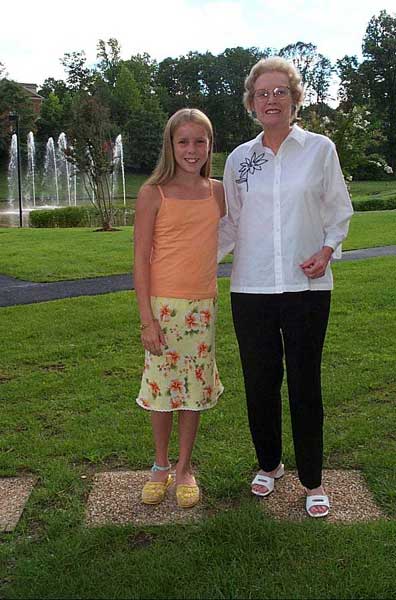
281 209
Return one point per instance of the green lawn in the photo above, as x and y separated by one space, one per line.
364 190
52 254
69 374
55 254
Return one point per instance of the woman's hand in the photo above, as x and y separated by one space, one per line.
315 266
153 338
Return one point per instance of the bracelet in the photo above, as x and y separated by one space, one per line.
145 325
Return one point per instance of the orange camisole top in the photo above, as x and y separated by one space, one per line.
183 260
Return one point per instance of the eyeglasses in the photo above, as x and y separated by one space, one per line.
281 93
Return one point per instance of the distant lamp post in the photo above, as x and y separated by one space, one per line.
14 118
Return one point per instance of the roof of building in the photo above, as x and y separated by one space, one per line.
32 89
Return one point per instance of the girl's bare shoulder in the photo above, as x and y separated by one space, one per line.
148 196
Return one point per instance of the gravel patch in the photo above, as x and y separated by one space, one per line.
350 499
115 499
14 493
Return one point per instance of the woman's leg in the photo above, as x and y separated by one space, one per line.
188 427
256 322
162 428
304 320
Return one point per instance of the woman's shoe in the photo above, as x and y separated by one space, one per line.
187 495
154 491
317 500
267 481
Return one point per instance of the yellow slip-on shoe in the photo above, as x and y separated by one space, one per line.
153 492
187 495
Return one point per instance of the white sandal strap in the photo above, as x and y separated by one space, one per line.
262 480
317 500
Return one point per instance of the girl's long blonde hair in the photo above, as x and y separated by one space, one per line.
166 166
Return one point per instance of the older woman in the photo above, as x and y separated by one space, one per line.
288 212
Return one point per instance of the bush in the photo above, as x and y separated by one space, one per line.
371 168
70 216
375 204
77 216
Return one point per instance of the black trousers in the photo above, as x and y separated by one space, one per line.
268 327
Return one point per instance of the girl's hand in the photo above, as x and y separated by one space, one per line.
153 338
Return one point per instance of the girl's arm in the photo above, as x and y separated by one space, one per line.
147 206
228 230
218 191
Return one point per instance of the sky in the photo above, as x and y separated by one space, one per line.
35 35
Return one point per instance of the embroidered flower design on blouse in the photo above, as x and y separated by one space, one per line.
249 166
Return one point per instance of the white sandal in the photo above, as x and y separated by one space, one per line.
317 500
267 481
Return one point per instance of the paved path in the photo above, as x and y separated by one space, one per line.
15 291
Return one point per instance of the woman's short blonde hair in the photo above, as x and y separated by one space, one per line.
267 65
166 166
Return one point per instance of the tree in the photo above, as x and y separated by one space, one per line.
379 69
315 69
51 120
3 71
126 96
143 136
91 152
353 87
214 84
13 98
144 70
356 136
110 60
78 76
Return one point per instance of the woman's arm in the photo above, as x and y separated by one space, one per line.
147 206
337 205
337 212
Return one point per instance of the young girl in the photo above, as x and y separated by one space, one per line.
176 232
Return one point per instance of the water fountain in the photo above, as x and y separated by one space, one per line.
56 182
12 176
118 159
30 194
64 167
50 187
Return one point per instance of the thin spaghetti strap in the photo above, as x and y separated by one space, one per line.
211 186
161 192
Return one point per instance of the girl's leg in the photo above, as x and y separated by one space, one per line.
162 428
188 427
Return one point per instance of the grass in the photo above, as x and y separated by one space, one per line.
364 190
69 374
56 254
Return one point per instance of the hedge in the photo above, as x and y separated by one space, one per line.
76 216
374 204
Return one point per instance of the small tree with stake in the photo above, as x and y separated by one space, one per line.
91 153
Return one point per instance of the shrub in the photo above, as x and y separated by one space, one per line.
375 204
70 216
78 216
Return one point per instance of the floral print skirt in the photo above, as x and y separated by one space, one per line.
185 376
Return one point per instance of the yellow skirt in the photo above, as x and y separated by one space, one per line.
185 376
